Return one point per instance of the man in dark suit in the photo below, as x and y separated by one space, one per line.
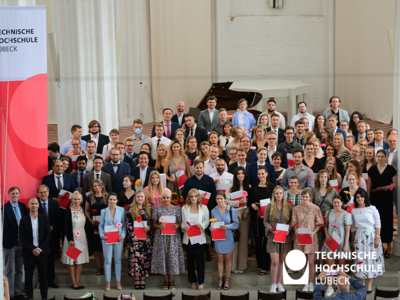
361 132
13 211
179 117
125 158
169 127
34 234
333 121
117 170
272 148
200 133
53 150
58 180
143 170
79 174
95 135
241 155
50 209
96 174
378 142
262 154
245 142
275 127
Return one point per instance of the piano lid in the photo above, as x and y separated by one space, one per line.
227 98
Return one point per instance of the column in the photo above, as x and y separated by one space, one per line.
396 114
86 43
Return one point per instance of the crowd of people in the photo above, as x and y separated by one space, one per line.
329 174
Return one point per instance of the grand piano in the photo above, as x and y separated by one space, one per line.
227 99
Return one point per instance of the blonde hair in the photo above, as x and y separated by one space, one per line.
158 157
263 115
150 190
201 155
285 206
103 192
341 147
134 207
334 171
171 152
259 126
188 202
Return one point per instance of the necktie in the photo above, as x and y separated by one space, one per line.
97 176
116 165
168 130
158 142
81 180
16 212
45 209
59 186
191 131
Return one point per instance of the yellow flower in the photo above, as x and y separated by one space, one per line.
213 220
347 192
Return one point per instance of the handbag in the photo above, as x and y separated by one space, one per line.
236 232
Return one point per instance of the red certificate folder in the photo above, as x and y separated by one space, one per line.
193 231
169 225
236 196
74 252
334 183
181 178
112 233
281 230
336 241
290 160
64 198
263 205
350 207
205 197
138 230
217 233
304 236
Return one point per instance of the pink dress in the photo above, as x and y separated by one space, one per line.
156 201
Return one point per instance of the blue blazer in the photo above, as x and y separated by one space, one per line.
10 226
252 156
385 145
69 184
105 220
174 127
249 121
252 172
117 179
136 173
284 163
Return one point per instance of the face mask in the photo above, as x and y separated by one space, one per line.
137 131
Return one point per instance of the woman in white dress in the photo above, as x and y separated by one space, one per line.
365 239
74 228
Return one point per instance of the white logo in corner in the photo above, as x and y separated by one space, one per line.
295 260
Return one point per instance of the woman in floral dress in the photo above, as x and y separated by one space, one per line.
167 249
139 250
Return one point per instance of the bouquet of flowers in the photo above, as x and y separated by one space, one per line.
177 199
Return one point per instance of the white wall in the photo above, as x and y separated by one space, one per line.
252 40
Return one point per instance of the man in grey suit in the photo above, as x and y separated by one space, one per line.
340 113
96 174
391 159
209 117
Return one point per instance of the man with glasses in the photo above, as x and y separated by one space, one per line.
117 170
379 143
129 146
95 135
290 145
272 148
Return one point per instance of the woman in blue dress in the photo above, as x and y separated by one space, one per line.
224 248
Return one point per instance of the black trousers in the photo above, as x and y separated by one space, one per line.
262 256
29 264
195 254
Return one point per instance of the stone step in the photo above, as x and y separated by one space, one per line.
157 291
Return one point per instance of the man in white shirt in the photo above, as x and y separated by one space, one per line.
160 138
139 138
209 117
91 151
271 105
210 166
224 178
302 106
76 131
34 231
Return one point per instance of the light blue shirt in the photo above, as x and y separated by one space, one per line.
17 211
47 206
68 147
79 177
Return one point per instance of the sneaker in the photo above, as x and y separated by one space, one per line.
329 292
273 288
280 287
305 288
311 287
